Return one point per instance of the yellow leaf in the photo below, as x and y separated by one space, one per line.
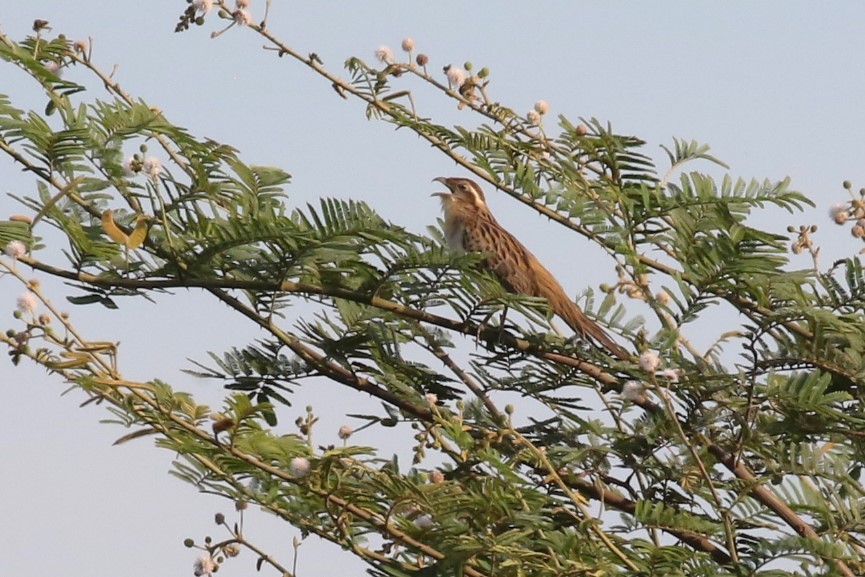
139 233
71 364
112 230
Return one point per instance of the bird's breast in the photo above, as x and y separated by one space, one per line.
454 225
454 229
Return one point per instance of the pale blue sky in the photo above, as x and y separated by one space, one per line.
775 87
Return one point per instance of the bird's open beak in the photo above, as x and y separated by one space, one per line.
444 181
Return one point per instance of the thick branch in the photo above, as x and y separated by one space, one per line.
488 334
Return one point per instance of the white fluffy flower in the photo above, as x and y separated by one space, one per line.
432 398
241 3
407 44
242 17
649 361
423 522
299 467
204 565
203 6
131 166
384 54
632 390
345 432
541 107
15 249
27 303
152 166
533 117
456 76
838 212
671 375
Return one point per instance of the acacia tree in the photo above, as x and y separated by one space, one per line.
739 459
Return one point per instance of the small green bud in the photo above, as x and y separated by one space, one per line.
484 72
188 543
468 66
847 184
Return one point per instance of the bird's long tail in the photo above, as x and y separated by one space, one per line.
586 327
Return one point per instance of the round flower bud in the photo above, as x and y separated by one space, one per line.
422 59
299 467
407 44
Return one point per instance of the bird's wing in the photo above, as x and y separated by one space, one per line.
507 258
522 273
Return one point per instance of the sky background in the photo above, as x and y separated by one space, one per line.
776 88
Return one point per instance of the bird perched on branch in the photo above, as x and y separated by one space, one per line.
469 226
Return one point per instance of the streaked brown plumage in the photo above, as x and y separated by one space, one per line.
470 226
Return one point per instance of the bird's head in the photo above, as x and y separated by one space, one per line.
462 192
